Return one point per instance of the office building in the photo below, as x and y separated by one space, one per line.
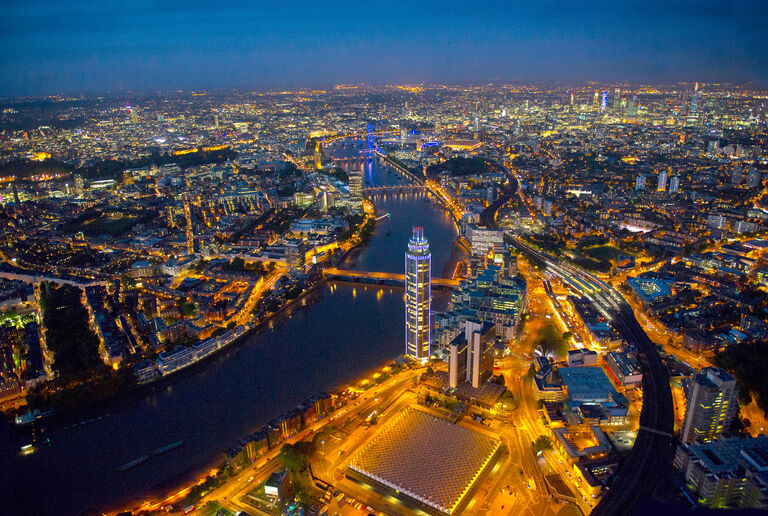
418 296
457 361
481 239
624 368
640 182
674 184
661 185
727 473
356 188
711 405
471 354
633 106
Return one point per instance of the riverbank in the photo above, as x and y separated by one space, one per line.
329 337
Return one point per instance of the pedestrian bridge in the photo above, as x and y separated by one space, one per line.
382 277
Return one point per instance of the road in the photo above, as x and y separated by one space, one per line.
231 493
639 475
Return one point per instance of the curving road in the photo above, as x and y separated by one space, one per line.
639 475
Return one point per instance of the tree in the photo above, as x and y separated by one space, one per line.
295 457
745 397
542 443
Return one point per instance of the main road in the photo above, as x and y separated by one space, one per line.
639 475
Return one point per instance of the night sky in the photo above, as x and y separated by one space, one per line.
57 46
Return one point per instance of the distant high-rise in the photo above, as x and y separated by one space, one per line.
711 405
674 184
754 179
418 296
596 102
616 100
640 182
604 102
318 157
356 188
471 354
79 185
190 234
480 338
633 106
661 185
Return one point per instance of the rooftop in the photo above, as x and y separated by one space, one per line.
426 458
586 384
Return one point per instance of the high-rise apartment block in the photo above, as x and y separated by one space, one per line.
418 296
711 405
472 353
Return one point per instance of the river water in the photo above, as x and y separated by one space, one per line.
330 337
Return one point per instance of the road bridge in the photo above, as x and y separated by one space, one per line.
393 189
39 278
384 276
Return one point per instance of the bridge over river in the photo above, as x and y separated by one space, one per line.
388 277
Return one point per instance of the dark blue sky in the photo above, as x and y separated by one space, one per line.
60 46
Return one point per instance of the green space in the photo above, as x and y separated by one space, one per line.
603 252
748 363
110 168
67 333
462 167
210 483
81 376
550 341
542 443
112 226
15 319
338 174
295 458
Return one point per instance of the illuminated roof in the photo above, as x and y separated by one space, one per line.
462 144
426 458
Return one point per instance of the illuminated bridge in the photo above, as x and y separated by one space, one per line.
393 188
383 277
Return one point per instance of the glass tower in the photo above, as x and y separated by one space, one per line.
418 296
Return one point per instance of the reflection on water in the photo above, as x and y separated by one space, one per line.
335 334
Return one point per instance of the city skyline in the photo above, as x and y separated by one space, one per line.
54 48
343 258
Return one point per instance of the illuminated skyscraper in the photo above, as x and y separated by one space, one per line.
356 188
640 182
674 184
596 102
604 102
711 405
318 157
661 185
418 296
190 234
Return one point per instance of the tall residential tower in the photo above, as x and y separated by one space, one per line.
418 296
711 405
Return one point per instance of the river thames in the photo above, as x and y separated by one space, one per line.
332 336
